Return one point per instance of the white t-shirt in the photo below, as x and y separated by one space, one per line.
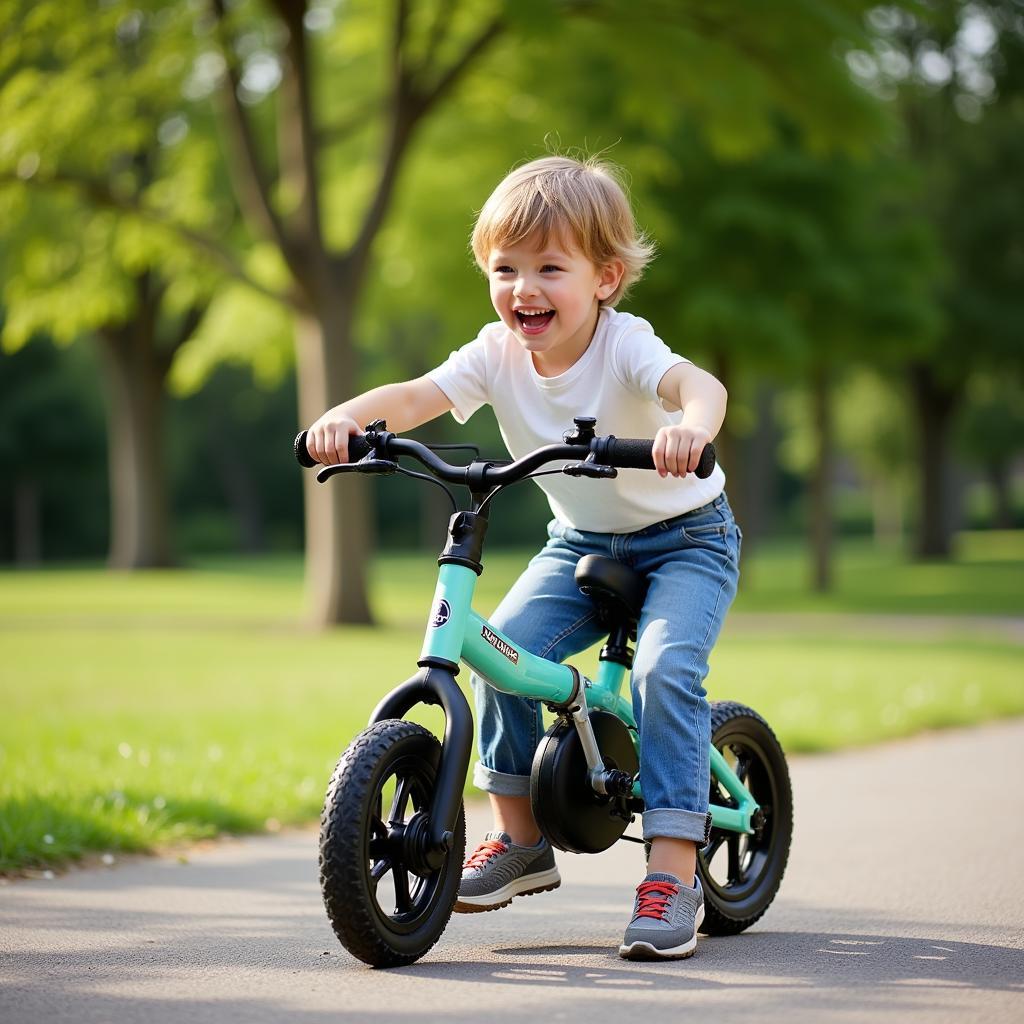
615 380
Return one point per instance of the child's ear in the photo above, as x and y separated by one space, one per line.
608 278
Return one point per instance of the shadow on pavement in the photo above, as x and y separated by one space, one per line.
799 958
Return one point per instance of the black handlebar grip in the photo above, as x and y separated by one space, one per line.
305 460
635 453
357 448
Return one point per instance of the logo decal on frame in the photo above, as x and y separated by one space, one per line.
442 613
500 646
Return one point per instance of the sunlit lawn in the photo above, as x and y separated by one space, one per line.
140 710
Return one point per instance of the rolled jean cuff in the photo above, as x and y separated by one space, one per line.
499 783
677 824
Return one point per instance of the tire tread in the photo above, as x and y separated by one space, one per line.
716 922
342 823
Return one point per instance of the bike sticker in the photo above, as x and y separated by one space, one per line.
500 646
442 613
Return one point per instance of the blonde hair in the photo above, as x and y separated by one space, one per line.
580 201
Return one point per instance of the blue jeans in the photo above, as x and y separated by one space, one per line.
692 566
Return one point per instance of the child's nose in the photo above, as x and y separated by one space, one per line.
524 287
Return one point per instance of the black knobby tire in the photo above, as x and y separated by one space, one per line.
741 873
382 911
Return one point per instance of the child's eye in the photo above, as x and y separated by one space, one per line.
504 270
549 268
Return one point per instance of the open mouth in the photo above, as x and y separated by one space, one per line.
533 321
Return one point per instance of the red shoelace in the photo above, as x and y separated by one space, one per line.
652 899
484 852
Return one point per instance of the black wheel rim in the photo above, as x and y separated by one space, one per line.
734 865
401 898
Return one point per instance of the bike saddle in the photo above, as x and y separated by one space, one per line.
615 587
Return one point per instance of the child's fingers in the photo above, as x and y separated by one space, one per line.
311 444
658 453
672 454
696 448
338 450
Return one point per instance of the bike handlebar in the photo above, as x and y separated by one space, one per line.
617 452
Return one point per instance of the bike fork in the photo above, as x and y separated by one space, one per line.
435 684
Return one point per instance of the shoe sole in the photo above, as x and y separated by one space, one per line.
545 881
640 950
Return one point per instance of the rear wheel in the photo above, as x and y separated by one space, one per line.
741 873
387 907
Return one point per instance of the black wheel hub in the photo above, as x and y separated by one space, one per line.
397 853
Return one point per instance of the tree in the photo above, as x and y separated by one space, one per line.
784 266
390 83
315 186
991 438
102 223
956 76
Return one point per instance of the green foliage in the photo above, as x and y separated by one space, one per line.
790 225
955 77
105 167
784 259
992 428
688 101
241 327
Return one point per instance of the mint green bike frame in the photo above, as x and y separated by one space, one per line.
456 633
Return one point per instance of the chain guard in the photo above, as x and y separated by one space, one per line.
571 815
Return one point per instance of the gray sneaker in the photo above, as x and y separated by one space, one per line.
666 917
497 870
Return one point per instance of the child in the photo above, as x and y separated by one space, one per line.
559 246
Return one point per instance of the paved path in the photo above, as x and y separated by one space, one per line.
904 900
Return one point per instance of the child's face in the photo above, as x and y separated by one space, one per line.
548 296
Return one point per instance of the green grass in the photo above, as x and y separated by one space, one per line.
985 578
142 710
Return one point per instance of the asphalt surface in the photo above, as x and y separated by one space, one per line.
903 900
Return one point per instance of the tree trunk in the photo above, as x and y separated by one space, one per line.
935 404
28 533
325 285
999 479
135 372
338 530
821 524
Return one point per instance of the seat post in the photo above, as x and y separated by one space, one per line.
617 648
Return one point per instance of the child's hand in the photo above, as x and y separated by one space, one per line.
327 439
677 449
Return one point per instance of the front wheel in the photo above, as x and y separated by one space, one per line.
385 906
741 873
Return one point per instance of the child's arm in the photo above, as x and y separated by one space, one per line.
404 405
702 398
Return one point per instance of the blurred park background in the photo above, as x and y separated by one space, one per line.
219 218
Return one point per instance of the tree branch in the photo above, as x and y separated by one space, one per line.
398 36
435 35
297 142
251 181
185 328
337 132
100 194
486 36
409 106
